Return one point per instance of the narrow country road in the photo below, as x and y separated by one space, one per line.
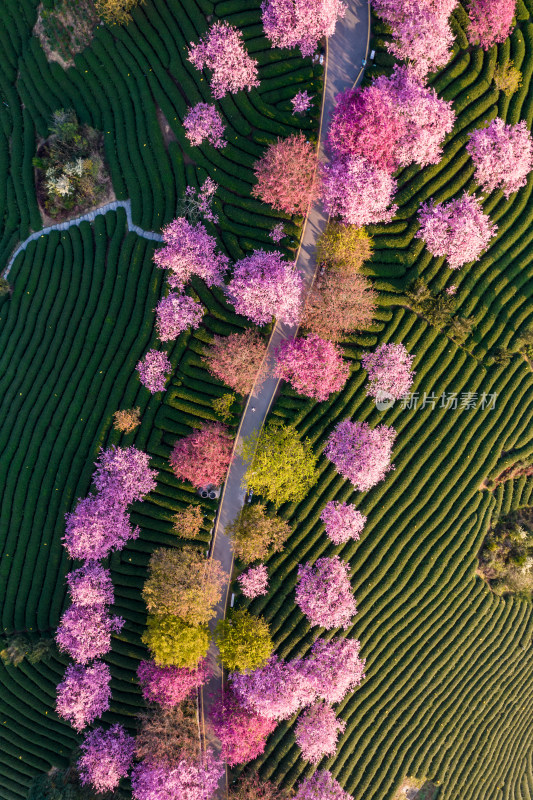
346 51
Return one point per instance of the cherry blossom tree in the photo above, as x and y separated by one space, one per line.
222 51
202 122
263 286
490 21
175 314
242 733
343 521
502 155
96 527
84 632
189 250
357 192
91 585
300 23
317 731
313 366
107 756
169 686
188 779
458 230
276 691
287 175
203 457
321 786
390 370
250 787
277 233
361 454
237 359
333 668
197 202
84 694
324 593
123 475
301 102
155 368
339 302
254 582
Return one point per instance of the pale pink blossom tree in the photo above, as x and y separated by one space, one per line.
321 786
502 155
277 233
175 314
458 230
317 731
300 23
390 370
357 192
189 250
361 454
96 527
222 51
313 366
451 290
301 102
242 733
203 457
287 175
276 691
324 593
84 632
334 668
123 475
202 122
254 582
91 585
263 286
237 359
154 370
490 21
107 756
169 686
84 694
187 780
342 521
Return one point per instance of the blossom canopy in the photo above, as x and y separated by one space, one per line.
324 593
106 757
84 632
84 694
254 582
222 51
357 192
263 286
123 475
287 175
321 786
190 250
313 366
203 122
96 527
203 457
342 521
361 454
502 155
389 369
317 731
300 23
176 313
169 686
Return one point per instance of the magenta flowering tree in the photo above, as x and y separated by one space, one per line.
313 366
187 780
276 691
342 521
502 155
300 23
95 527
317 731
189 250
197 202
361 454
321 786
254 582
203 457
154 370
222 51
169 686
84 632
390 370
91 585
324 593
202 122
458 230
357 192
490 21
301 102
277 233
263 286
84 694
107 756
175 314
334 668
242 733
123 476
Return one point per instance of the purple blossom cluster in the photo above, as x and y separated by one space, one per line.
324 593
361 454
189 250
321 786
317 731
300 23
169 686
188 779
390 370
202 122
84 694
301 102
222 51
107 756
176 313
154 369
502 155
342 521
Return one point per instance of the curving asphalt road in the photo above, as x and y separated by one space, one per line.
345 53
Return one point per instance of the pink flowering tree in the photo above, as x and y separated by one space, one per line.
187 779
300 23
169 686
189 250
490 21
392 123
197 203
342 521
361 454
287 175
242 733
202 122
276 691
334 668
203 457
84 632
313 366
277 233
321 786
123 475
458 230
301 102
317 731
91 585
254 582
263 286
222 51
84 694
357 192
96 527
324 593
154 370
390 371
175 314
107 756
502 155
